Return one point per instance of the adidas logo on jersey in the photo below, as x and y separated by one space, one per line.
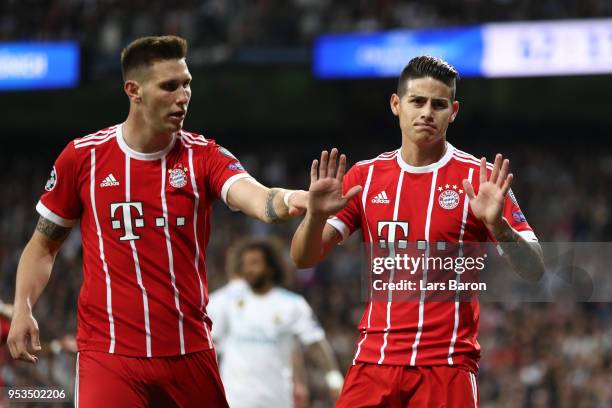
381 198
109 181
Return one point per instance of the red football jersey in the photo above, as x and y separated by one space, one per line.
5 326
399 203
145 223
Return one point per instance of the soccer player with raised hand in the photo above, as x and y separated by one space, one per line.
416 353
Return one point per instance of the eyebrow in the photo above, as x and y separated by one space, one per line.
176 80
426 97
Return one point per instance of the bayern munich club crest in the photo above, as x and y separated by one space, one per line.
178 177
449 197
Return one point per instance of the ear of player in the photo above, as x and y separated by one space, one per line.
325 192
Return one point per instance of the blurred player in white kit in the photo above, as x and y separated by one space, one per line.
256 323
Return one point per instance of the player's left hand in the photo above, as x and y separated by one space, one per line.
298 201
488 204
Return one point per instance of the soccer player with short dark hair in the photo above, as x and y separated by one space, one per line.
416 353
142 191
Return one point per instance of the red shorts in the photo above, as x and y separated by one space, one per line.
110 380
373 385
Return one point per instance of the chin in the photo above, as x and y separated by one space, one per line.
174 128
426 137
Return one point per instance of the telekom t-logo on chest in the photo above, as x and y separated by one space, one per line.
131 215
392 227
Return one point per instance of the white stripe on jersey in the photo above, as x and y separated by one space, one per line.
105 139
109 295
51 216
76 382
383 156
196 205
190 139
474 388
466 155
417 338
466 201
170 257
145 298
472 161
364 200
93 136
398 196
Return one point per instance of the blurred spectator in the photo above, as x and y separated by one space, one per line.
219 29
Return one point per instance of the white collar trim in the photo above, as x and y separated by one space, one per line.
430 167
139 155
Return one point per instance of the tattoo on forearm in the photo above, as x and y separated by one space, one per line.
51 230
332 234
525 257
509 235
270 211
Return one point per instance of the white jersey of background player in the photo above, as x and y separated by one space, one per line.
255 326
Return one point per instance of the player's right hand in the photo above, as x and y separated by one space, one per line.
23 340
325 193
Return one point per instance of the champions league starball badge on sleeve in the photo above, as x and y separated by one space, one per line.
50 185
226 153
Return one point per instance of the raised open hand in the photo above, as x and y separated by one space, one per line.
325 193
488 204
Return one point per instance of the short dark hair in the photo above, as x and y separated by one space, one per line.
428 66
272 251
145 51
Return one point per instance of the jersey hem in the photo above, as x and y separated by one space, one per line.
228 183
528 235
463 365
53 217
340 226
159 355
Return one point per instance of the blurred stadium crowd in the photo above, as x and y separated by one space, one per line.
221 30
534 354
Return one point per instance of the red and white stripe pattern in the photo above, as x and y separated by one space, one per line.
144 291
190 139
145 297
107 278
407 332
364 195
97 138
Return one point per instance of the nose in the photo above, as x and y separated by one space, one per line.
183 96
427 111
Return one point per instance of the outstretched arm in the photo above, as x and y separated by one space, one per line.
525 257
269 205
33 274
314 238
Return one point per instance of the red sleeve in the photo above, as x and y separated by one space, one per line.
60 203
5 326
222 169
348 220
512 212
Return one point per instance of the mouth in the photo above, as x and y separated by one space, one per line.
178 115
426 126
